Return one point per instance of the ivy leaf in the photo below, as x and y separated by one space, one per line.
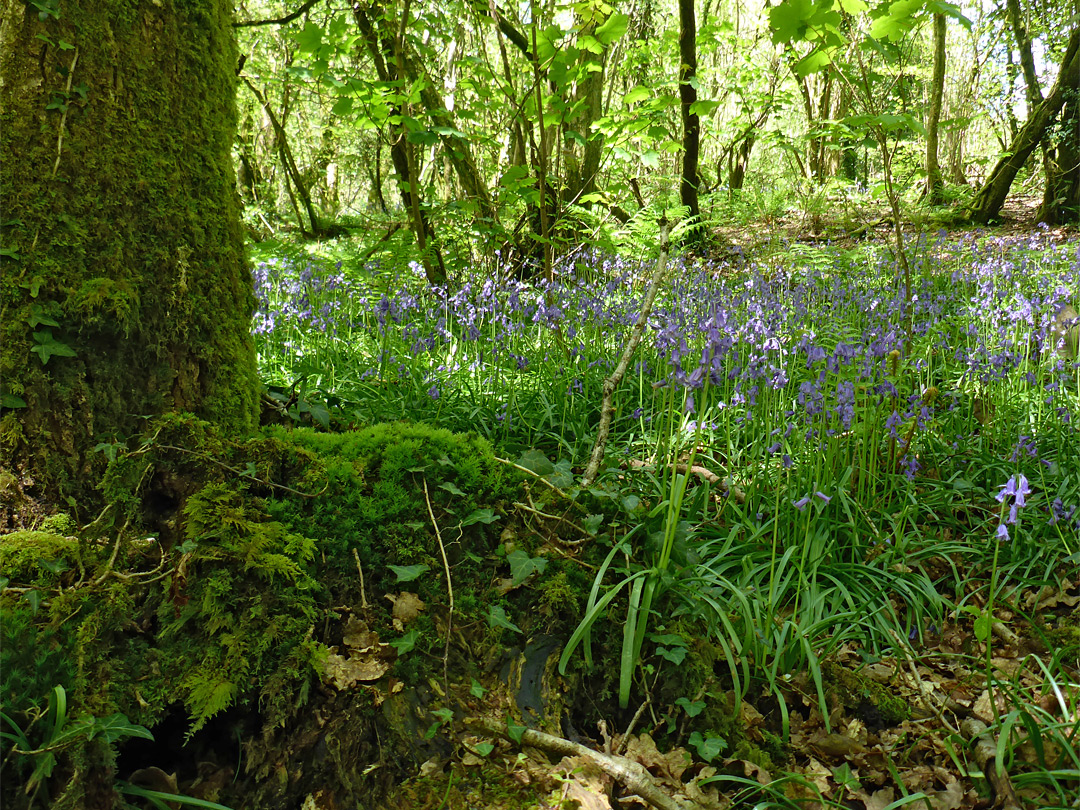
116 727
485 516
709 747
37 317
406 642
48 346
692 707
497 618
514 731
407 573
537 462
451 488
522 566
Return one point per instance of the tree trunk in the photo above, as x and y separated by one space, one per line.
382 43
688 186
1061 199
126 292
937 92
990 198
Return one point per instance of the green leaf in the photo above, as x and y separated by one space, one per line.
639 93
853 6
160 798
675 655
48 346
708 747
537 462
476 690
692 707
788 20
483 749
117 727
497 618
613 28
514 731
451 488
310 39
407 573
11 401
703 107
522 566
343 106
485 516
592 524
406 642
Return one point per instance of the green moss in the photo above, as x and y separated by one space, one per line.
127 228
37 557
858 693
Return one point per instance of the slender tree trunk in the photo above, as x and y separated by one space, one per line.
691 124
128 294
937 93
293 177
385 52
990 198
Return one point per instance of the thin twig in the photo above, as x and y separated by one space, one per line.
363 595
607 408
625 741
63 117
449 588
243 474
570 523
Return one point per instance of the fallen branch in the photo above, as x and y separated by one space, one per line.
702 472
607 409
985 752
631 775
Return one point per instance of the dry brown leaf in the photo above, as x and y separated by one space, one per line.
669 766
357 635
951 798
407 607
344 672
880 799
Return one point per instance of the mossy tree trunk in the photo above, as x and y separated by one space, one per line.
987 203
124 291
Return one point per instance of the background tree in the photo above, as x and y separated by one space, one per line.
691 124
933 118
125 291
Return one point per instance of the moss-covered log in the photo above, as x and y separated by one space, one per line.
124 288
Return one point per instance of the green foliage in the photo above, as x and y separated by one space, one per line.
248 611
37 557
375 502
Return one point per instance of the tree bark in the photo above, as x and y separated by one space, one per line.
128 293
933 118
991 197
385 53
691 124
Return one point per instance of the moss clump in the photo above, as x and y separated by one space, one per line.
37 558
375 503
874 702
